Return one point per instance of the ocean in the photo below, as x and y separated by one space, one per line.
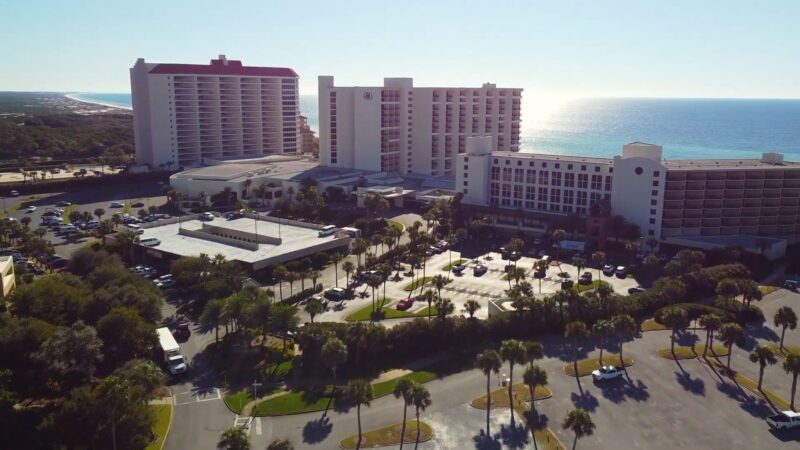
686 128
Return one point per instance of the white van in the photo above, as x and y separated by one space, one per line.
135 227
327 230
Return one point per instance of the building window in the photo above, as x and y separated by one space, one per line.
638 171
583 168
653 202
597 181
569 166
544 177
583 180
652 221
569 197
508 162
653 212
656 173
651 232
519 175
544 164
506 173
531 164
608 182
655 183
558 166
654 193
531 176
597 168
556 179
569 179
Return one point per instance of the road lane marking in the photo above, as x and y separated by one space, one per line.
258 426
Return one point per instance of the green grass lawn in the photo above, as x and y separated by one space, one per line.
236 401
389 435
396 224
787 349
163 415
449 267
67 211
417 283
389 312
299 402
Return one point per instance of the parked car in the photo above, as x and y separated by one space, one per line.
117 205
479 270
442 245
622 272
234 215
607 373
458 269
63 203
137 205
13 193
790 284
567 284
336 293
586 278
608 270
635 290
30 209
181 331
405 303
784 420
514 256
206 216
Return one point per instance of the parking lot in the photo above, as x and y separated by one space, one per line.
83 201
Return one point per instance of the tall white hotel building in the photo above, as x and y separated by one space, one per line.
187 113
405 129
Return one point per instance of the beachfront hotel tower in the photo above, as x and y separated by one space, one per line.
403 129
185 114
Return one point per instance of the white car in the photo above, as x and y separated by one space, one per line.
117 205
207 216
30 209
784 420
607 373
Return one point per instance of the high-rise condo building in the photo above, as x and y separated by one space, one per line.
187 113
405 129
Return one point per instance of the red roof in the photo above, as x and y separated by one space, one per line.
217 67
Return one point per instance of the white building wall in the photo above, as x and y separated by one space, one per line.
638 193
472 171
366 121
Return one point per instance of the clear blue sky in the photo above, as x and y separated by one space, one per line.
679 48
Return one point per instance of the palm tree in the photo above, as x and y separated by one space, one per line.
279 272
439 281
313 307
674 318
577 332
791 364
730 333
280 444
534 376
404 388
234 438
625 327
422 399
471 307
314 276
599 259
359 247
711 322
512 351
290 278
428 296
212 316
444 307
348 268
333 354
335 258
359 392
580 422
603 329
357 336
540 266
488 362
785 318
763 356
580 264
99 212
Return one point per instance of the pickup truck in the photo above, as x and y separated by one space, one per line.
784 420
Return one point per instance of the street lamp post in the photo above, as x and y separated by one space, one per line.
256 384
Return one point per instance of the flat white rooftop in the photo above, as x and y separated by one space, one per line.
297 241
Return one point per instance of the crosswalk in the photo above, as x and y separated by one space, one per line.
191 397
248 423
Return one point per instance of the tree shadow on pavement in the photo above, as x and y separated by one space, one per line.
686 339
316 431
763 332
585 400
620 390
514 436
756 407
694 385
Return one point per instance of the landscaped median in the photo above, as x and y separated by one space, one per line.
238 400
298 402
163 414
751 385
520 391
781 353
388 313
449 267
389 435
587 366
417 283
685 352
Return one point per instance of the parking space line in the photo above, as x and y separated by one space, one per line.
258 426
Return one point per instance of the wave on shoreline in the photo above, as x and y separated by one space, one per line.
77 98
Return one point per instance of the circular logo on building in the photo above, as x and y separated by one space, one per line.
367 95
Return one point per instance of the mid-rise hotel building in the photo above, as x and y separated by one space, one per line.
688 202
187 113
405 129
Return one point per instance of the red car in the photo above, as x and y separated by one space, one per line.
404 304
